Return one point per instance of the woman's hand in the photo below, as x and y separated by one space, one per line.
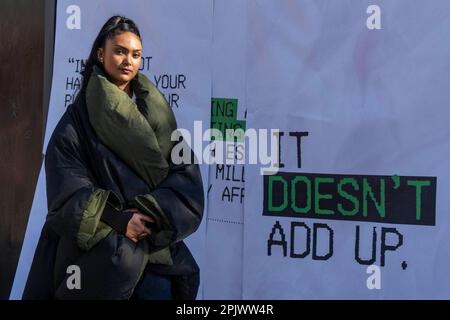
136 229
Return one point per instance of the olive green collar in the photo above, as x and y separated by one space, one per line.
139 133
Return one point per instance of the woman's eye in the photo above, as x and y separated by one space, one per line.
137 56
118 51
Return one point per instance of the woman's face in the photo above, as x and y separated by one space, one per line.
121 57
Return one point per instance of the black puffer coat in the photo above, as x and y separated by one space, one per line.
77 164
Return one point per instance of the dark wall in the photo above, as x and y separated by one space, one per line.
25 71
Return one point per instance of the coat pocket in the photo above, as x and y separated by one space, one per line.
110 270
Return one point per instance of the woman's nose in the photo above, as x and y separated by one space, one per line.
126 61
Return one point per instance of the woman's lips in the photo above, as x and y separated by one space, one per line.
126 71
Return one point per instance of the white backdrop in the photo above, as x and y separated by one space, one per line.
223 272
374 102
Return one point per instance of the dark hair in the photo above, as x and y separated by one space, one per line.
114 25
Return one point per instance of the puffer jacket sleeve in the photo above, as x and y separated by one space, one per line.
176 204
75 203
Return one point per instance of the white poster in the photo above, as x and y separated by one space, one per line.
177 39
359 94
226 192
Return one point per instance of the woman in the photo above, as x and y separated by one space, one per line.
118 207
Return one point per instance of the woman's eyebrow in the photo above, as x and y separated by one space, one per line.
124 48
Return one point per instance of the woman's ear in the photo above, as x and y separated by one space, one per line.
100 54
